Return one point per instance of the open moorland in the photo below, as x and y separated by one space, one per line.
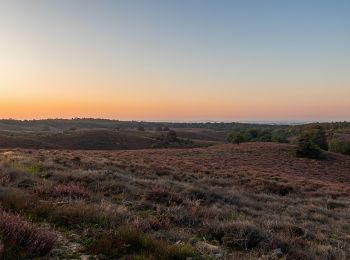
228 201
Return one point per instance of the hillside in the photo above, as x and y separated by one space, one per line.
99 139
249 201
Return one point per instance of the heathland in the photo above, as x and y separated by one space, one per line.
102 189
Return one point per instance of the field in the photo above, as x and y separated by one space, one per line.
247 201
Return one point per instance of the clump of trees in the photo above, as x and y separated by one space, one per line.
168 139
312 142
257 135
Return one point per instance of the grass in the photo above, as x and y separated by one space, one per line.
129 240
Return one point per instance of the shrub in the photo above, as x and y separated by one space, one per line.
318 136
241 235
15 199
265 136
72 191
235 138
279 136
33 169
37 241
82 215
252 134
339 146
306 148
163 196
171 136
128 240
237 235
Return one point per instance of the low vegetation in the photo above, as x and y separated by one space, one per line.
23 238
252 200
338 146
307 148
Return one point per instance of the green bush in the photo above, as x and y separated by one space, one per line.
308 149
279 136
171 136
318 136
339 146
235 138
265 136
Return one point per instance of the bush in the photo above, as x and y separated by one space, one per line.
252 134
318 136
339 146
171 136
306 148
81 215
60 191
128 240
16 231
236 235
235 138
265 136
163 196
279 136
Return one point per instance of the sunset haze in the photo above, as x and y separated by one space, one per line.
175 60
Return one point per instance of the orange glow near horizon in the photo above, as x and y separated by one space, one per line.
149 109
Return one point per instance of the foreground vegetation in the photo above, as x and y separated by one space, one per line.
253 200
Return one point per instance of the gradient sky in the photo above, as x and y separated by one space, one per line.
183 60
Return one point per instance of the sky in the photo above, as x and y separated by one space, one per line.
175 60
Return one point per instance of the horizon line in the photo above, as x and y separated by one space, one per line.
283 121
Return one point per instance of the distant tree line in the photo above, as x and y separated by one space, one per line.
258 135
116 124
